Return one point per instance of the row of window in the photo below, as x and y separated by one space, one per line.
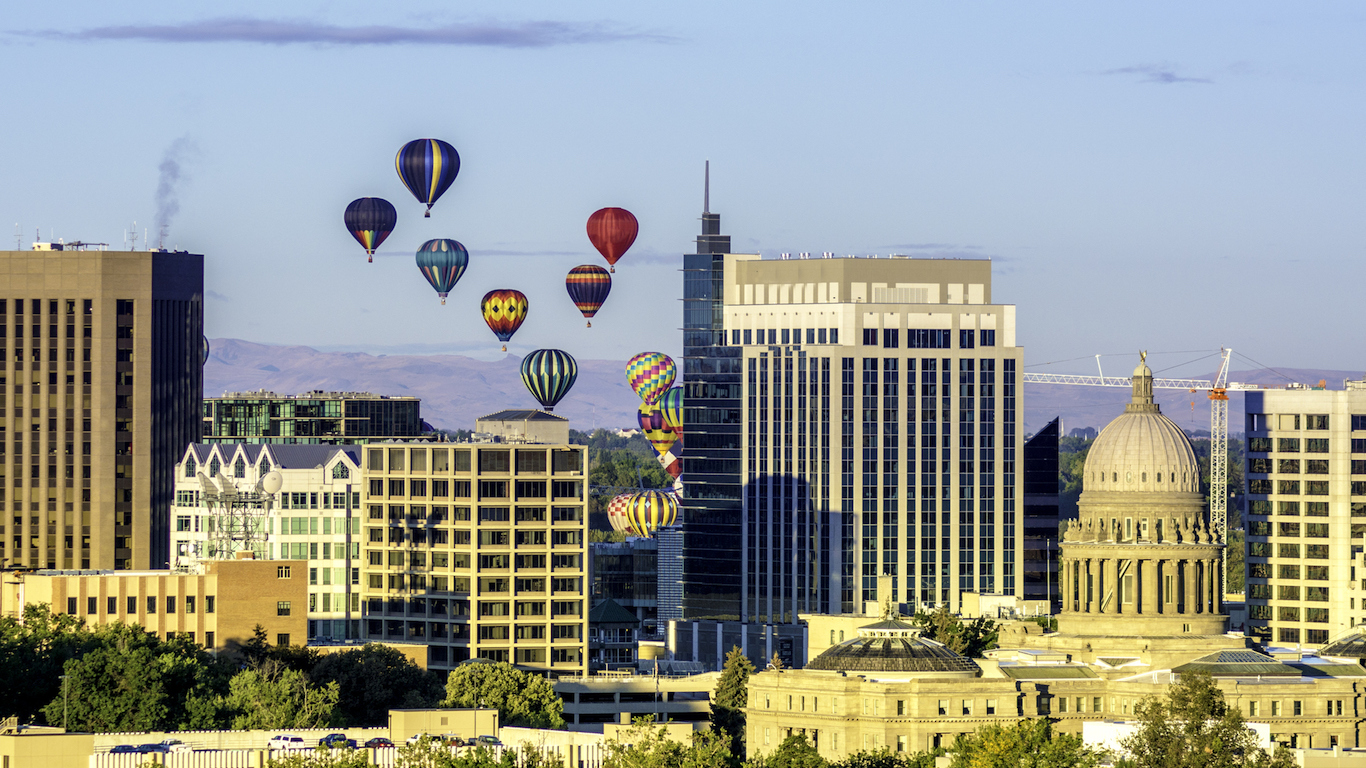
785 336
188 604
1292 571
1292 508
1263 612
917 338
1311 530
399 488
416 514
489 459
1263 549
487 538
1287 592
1293 444
1292 487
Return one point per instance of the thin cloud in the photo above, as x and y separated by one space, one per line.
1162 74
532 34
216 295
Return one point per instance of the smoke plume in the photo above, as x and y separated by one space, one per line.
172 173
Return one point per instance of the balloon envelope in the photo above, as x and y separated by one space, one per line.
612 231
588 286
504 310
427 168
648 511
616 512
549 374
650 374
671 405
370 220
660 434
442 262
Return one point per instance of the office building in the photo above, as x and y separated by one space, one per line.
1041 520
1306 513
216 603
309 519
312 418
478 549
102 356
627 573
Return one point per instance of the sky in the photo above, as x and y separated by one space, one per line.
1166 176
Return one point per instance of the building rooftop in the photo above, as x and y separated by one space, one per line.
284 456
609 612
892 645
522 415
316 394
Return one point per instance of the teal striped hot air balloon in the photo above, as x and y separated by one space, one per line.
549 374
442 262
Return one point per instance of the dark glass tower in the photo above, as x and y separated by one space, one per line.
712 515
1041 515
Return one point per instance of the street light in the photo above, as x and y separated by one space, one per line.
63 679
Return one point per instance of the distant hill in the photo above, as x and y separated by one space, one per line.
455 390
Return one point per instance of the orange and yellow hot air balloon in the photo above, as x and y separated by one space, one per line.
504 310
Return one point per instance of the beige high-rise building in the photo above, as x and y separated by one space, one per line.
1306 513
102 384
478 549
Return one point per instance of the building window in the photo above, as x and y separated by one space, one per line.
1276 708
943 706
891 338
967 339
988 338
870 337
282 608
282 572
282 640
991 706
1253 708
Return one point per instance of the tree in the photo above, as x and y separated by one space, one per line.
970 638
776 663
276 697
322 758
1193 726
1023 744
795 752
258 650
522 699
885 758
730 699
33 653
644 746
374 679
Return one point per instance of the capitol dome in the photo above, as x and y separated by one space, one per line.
892 645
1142 450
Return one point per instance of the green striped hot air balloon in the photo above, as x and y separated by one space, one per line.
549 374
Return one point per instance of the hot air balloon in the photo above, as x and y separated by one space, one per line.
588 287
204 350
427 167
370 220
671 405
651 419
648 511
674 468
616 512
612 230
549 374
504 310
442 262
650 374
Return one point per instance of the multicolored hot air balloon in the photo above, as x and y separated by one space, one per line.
650 374
427 168
549 374
442 262
616 512
648 511
612 230
671 405
651 419
504 310
588 287
370 220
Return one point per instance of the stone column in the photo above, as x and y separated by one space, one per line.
1145 588
1112 584
1218 605
1092 582
1188 605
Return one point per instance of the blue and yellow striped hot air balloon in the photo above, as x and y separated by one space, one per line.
549 374
442 262
427 168
648 511
671 406
650 374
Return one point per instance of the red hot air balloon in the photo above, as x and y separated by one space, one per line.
612 230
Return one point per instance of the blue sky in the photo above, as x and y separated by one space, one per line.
1169 176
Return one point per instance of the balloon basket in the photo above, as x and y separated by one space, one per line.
427 214
370 258
505 348
443 301
613 270
590 323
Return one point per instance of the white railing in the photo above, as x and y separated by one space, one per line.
573 756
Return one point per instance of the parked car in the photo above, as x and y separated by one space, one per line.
286 741
177 746
336 741
379 742
487 741
416 737
124 749
452 740
147 749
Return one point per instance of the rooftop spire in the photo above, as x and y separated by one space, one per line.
1143 388
706 189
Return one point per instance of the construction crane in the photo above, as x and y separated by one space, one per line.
1218 427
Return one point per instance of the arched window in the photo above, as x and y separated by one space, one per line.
239 469
213 467
265 464
340 471
191 466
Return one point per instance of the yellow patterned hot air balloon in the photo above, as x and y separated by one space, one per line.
656 430
648 511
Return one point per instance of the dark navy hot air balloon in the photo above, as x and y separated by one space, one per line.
370 220
427 168
442 262
588 287
548 375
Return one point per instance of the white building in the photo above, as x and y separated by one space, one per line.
314 516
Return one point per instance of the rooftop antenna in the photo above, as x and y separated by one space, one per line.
161 239
18 238
706 188
133 237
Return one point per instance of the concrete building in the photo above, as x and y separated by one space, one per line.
592 702
103 354
314 517
478 549
1140 607
218 604
311 418
1306 513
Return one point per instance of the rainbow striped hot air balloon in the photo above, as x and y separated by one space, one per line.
648 511
442 262
504 310
588 286
651 419
370 220
616 512
427 168
650 374
549 374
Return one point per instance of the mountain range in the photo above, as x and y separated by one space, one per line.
455 389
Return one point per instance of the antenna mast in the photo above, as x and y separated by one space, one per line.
706 188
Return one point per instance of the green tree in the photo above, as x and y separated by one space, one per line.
885 758
258 650
969 638
730 698
1023 744
373 679
522 699
323 758
1193 726
644 746
278 697
794 752
33 653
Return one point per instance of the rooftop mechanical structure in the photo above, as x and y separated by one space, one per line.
237 518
